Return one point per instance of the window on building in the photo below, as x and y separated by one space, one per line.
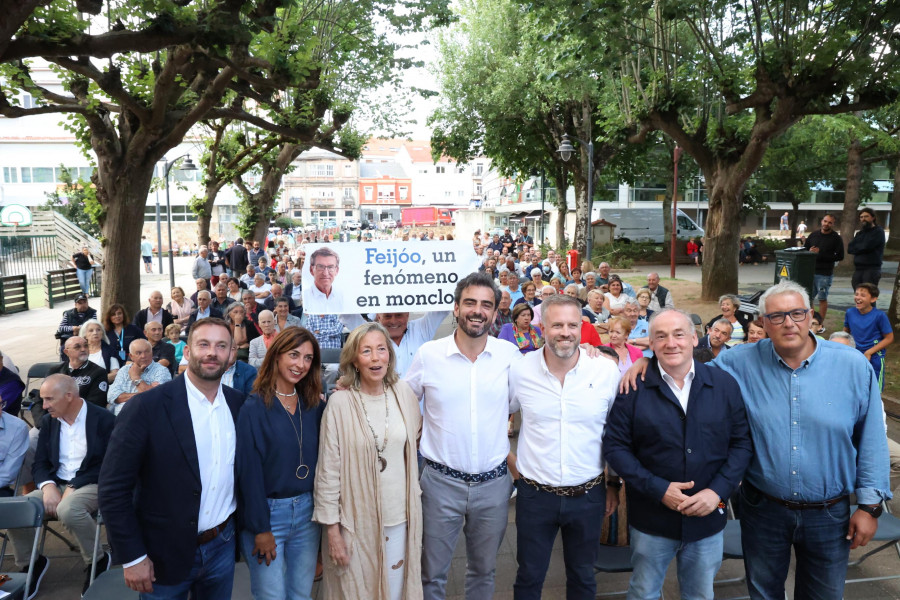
446 193
298 214
320 170
460 169
26 174
461 193
348 192
479 168
404 192
42 175
228 214
348 213
367 192
10 175
58 173
478 188
85 173
27 101
348 169
440 169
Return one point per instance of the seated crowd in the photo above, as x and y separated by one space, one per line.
213 424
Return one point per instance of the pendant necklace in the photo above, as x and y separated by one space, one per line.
302 471
379 451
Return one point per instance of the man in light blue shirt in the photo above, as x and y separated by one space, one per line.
13 445
817 424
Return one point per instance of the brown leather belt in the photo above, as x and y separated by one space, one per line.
205 537
797 505
569 491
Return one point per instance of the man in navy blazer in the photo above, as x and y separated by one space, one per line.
72 443
167 489
681 442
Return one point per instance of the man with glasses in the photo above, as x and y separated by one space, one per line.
324 265
816 443
818 432
90 378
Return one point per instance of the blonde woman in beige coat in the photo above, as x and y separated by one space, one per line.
367 494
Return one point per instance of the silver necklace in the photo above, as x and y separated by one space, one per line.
379 451
301 468
294 393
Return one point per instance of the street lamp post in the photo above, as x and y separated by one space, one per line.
187 166
566 150
158 233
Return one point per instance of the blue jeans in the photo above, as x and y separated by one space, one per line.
698 563
821 285
769 531
290 576
84 279
539 516
212 575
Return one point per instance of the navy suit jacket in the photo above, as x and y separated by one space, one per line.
150 480
98 426
650 442
244 377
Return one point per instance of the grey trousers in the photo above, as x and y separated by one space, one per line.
74 513
450 506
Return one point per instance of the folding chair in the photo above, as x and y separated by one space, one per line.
110 586
20 512
613 559
888 533
35 371
698 324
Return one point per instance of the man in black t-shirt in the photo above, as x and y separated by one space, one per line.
90 378
829 249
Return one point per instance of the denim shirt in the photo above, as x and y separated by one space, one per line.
819 430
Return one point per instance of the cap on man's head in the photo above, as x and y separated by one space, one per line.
80 298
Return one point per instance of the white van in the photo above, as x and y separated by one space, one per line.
644 224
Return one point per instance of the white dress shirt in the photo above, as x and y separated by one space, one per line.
72 445
333 303
466 404
681 394
214 435
562 423
418 331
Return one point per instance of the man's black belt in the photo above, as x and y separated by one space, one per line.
205 537
569 491
797 505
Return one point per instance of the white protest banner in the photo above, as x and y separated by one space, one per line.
373 277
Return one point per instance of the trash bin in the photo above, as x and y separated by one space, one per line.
572 259
797 265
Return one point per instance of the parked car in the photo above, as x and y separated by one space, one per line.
388 223
351 224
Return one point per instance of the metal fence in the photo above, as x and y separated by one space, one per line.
29 255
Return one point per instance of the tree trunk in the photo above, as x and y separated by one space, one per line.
849 216
893 242
204 212
725 187
121 228
893 312
260 203
562 209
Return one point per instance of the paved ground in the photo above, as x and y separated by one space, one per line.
28 338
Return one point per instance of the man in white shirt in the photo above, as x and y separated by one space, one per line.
70 449
463 379
564 397
167 489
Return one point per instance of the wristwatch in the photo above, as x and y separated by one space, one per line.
875 510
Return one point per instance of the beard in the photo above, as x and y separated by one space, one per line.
196 366
867 226
563 352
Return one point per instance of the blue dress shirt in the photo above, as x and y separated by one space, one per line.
818 431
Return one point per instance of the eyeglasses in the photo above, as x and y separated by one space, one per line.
797 315
329 268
